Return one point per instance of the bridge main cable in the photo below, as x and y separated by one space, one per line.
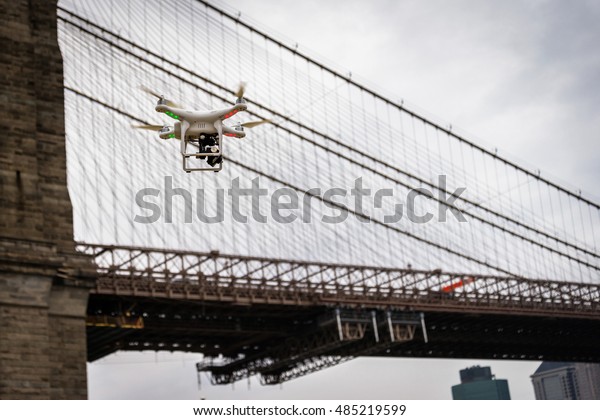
398 106
330 202
321 134
317 144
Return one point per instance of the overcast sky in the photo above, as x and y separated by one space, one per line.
521 76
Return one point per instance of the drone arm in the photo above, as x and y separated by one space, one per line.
231 111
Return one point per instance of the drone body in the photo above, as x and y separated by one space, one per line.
196 123
201 131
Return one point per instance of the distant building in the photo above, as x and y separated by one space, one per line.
478 383
566 381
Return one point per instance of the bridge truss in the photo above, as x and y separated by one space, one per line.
285 318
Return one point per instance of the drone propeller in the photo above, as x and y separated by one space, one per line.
148 127
159 96
241 89
252 124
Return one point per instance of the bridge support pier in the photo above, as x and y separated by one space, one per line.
42 338
44 284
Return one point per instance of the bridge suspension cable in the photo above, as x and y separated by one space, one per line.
414 114
348 148
519 223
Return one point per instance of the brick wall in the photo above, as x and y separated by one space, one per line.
42 313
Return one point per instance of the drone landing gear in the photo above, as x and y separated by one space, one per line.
216 164
208 148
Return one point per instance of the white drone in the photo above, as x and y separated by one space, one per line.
202 130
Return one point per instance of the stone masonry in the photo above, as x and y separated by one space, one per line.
44 284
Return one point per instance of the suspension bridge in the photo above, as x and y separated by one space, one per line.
516 279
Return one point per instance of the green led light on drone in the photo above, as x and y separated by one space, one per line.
171 136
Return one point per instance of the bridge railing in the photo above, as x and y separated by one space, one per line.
254 280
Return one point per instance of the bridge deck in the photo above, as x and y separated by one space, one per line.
278 317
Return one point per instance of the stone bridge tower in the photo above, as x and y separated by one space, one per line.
44 284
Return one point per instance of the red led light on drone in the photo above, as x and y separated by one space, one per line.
230 114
